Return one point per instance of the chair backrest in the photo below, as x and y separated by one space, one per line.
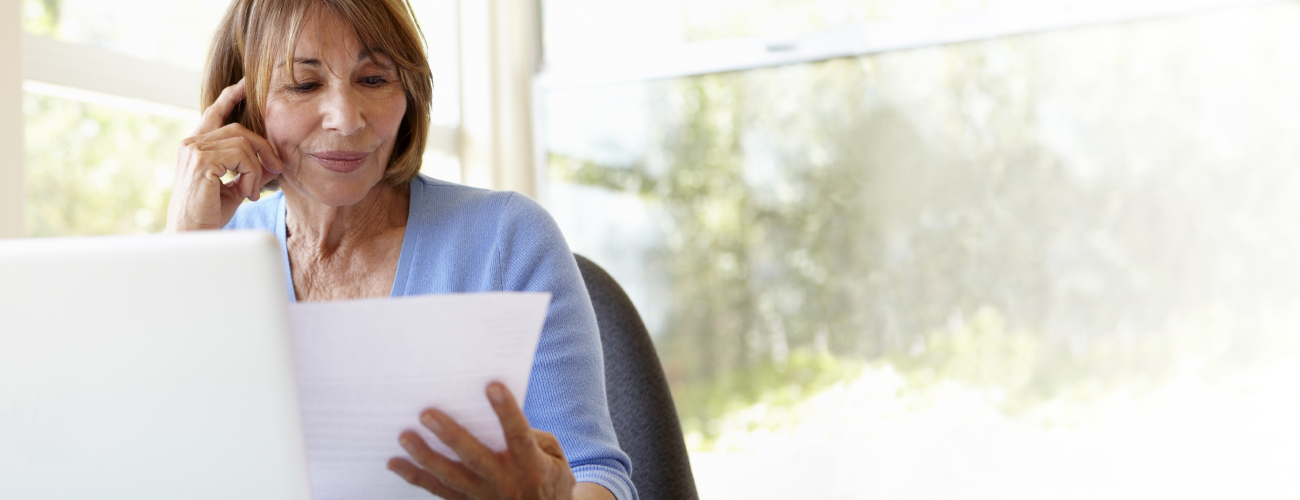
640 403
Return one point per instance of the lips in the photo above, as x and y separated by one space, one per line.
340 161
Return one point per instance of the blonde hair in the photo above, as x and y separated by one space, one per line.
255 32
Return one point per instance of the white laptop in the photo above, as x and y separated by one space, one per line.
150 367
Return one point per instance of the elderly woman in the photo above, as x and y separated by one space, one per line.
329 101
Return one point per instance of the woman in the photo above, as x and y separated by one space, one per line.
329 99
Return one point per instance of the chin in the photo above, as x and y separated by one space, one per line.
338 190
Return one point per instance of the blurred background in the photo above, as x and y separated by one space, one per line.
886 248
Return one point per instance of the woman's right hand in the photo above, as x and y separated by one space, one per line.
200 200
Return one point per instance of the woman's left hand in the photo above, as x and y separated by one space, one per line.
533 466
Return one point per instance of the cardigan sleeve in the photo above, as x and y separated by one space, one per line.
566 391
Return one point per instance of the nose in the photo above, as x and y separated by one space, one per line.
341 111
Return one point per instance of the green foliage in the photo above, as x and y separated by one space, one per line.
577 171
770 382
921 209
979 353
97 170
41 17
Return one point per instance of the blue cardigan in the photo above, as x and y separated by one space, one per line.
463 239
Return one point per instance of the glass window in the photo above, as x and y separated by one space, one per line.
94 169
1042 266
438 21
578 31
167 31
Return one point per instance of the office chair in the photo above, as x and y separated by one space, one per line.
640 404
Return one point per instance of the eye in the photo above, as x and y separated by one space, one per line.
374 81
303 87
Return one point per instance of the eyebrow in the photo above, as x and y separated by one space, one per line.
365 54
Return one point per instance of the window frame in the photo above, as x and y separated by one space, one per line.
13 192
740 54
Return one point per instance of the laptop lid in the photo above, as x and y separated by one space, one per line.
148 367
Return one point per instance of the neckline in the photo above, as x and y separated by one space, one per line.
409 240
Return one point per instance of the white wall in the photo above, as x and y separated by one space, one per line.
13 192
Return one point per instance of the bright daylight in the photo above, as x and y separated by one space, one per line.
883 249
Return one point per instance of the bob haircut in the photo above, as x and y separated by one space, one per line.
255 33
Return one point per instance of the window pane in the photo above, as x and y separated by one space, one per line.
95 169
579 31
167 31
1045 266
438 21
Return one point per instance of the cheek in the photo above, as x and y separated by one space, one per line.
285 127
389 118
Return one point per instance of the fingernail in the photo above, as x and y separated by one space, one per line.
431 422
495 394
407 443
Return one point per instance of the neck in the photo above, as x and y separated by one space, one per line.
329 229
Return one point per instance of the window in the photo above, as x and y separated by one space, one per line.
1043 263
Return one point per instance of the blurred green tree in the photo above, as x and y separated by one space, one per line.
933 209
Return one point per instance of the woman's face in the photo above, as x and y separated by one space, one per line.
334 129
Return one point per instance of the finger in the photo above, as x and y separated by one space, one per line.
267 177
235 154
215 165
236 136
258 144
216 114
472 453
248 184
212 143
453 474
236 161
230 200
549 444
419 477
519 434
235 149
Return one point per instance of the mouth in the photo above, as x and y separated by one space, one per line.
340 161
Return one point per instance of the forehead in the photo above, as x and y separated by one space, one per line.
325 33
328 42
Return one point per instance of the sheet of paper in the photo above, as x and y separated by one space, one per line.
367 368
